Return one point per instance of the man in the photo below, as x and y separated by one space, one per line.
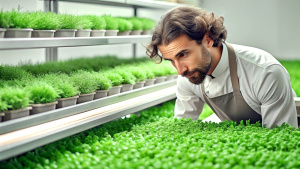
237 82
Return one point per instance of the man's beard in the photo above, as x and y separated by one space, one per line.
201 70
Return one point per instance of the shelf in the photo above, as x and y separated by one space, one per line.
26 139
30 43
130 3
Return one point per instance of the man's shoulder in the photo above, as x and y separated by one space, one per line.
253 55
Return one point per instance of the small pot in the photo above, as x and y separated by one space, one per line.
18 33
98 33
85 97
160 79
40 108
65 102
126 87
15 114
136 32
100 94
139 85
147 32
149 82
125 33
111 32
43 34
114 90
170 77
2 32
2 116
83 33
65 33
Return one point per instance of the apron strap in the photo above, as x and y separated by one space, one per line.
233 70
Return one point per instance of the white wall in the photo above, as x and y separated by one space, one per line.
271 25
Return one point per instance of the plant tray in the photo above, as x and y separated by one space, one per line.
83 33
18 33
85 97
170 77
100 94
40 108
135 32
126 87
111 32
65 102
2 32
149 82
147 32
125 33
114 90
98 33
14 114
43 33
160 79
1 116
65 33
139 85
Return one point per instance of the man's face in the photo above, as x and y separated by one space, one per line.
191 60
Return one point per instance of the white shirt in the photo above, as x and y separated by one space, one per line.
264 85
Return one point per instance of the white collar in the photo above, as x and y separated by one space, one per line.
223 63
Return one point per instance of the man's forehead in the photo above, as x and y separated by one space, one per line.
180 43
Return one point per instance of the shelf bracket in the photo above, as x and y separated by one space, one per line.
51 6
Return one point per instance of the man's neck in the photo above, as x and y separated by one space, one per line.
216 54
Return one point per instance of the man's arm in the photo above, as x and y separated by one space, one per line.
188 105
276 95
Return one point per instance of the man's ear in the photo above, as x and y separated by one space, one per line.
207 41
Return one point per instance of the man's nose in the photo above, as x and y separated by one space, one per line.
180 68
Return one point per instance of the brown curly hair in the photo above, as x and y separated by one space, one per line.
191 21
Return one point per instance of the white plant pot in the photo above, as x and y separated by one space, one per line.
160 79
85 97
2 32
18 33
98 33
149 82
111 32
15 114
65 102
136 32
125 33
100 94
114 90
65 33
42 33
1 116
139 85
147 32
126 87
170 77
40 108
83 33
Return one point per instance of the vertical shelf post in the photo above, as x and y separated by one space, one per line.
51 6
134 45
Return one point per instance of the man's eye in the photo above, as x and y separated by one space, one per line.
182 55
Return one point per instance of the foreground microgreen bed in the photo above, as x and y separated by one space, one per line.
156 140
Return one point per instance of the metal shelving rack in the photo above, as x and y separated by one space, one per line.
21 135
52 6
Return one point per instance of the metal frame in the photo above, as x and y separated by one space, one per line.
30 43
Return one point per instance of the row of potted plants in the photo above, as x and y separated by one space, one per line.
47 24
21 96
